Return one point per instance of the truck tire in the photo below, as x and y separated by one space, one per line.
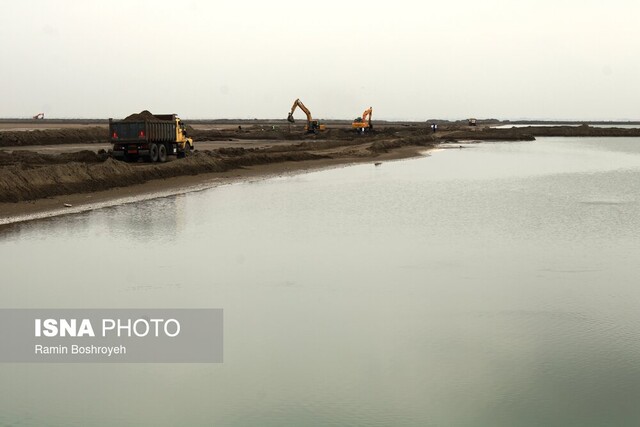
153 153
162 153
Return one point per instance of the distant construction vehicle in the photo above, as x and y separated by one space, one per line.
150 137
363 124
39 116
312 125
473 122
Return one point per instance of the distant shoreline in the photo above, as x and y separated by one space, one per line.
70 122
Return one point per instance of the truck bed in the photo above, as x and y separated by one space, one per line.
153 131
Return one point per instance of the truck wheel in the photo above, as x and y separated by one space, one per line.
162 153
153 153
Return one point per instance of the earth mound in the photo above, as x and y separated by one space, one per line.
141 116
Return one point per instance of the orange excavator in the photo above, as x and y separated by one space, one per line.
39 116
363 124
312 125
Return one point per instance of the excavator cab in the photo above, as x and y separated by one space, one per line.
313 127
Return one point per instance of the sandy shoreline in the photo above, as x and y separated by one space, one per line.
80 202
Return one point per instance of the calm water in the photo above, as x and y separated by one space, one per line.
495 285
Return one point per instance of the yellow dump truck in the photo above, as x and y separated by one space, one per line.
151 137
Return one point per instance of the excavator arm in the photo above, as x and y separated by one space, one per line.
367 115
298 104
363 124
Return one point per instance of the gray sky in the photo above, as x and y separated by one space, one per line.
545 59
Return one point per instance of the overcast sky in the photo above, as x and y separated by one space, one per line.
510 59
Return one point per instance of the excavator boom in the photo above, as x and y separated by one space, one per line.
298 104
363 124
367 114
312 125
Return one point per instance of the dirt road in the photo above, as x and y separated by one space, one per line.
202 146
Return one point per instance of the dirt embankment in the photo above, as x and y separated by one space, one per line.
530 132
29 181
53 137
280 133
264 132
29 176
581 131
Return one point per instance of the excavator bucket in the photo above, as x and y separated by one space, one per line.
290 118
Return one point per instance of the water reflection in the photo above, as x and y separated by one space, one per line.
147 220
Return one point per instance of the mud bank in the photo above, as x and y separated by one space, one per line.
263 132
37 182
28 182
529 133
53 137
